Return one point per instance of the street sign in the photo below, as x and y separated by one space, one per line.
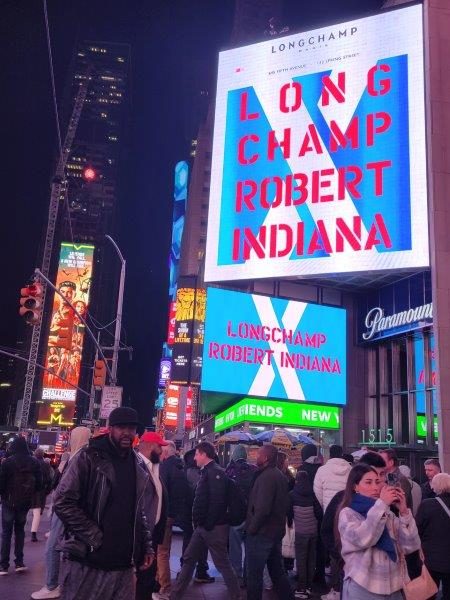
111 399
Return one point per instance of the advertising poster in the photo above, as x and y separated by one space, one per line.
178 407
181 176
164 371
279 413
319 156
189 324
66 336
56 413
274 348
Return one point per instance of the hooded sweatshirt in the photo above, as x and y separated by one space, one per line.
19 459
330 479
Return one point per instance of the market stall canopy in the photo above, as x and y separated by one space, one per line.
236 437
277 437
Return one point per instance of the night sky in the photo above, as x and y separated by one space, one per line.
174 43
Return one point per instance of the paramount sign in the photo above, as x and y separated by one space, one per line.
377 322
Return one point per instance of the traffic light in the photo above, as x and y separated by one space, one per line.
31 300
99 373
65 331
89 174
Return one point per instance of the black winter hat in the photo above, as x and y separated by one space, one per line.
308 450
123 415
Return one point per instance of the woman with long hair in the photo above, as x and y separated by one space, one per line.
373 540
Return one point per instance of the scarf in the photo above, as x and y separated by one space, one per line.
362 504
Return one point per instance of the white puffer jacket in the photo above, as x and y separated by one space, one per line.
330 479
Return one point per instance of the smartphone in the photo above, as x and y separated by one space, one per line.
392 479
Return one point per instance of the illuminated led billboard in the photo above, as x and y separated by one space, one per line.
274 348
66 336
178 407
319 158
188 335
279 414
56 413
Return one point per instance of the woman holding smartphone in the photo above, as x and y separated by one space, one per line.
372 537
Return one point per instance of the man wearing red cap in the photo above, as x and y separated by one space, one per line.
150 450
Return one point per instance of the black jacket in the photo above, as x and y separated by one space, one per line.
40 496
327 530
19 458
427 492
311 469
84 491
268 504
211 498
433 524
157 530
179 492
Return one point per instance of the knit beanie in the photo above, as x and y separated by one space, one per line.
308 450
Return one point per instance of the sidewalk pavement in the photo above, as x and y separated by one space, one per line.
20 586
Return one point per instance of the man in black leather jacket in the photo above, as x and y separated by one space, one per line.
100 501
209 515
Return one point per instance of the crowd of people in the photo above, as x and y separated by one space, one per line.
362 528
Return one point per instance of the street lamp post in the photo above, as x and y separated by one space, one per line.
118 327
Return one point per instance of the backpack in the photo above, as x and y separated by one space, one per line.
244 480
236 504
21 487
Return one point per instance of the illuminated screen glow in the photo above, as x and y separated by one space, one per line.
66 336
56 413
274 348
278 413
319 156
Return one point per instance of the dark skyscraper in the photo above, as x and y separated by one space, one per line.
92 197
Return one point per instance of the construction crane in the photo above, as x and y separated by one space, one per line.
58 194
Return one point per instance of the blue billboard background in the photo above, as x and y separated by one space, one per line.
226 311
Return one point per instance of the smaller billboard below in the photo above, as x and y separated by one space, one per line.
274 348
274 412
56 413
164 371
422 427
178 407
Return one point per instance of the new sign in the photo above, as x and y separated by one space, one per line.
319 158
274 348
422 426
278 413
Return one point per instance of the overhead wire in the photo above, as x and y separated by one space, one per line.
58 129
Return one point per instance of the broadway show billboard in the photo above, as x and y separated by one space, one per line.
66 337
319 158
274 348
189 329
56 413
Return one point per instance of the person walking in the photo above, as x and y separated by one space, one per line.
155 505
20 479
433 523
266 526
174 478
432 468
211 529
40 496
416 490
310 462
100 503
79 437
371 535
193 474
243 474
308 516
331 477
